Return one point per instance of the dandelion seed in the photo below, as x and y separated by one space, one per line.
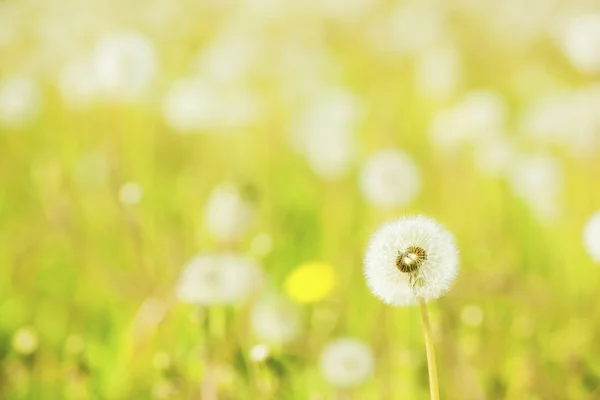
310 282
227 215
410 259
591 237
20 100
275 320
25 341
390 178
224 278
346 362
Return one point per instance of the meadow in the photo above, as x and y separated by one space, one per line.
141 141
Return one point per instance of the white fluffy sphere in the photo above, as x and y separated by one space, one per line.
346 362
223 278
390 178
437 267
591 236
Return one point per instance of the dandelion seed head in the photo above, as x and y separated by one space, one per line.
591 237
223 278
20 100
346 362
410 259
25 341
579 37
275 320
259 352
538 180
131 193
227 215
390 178
124 65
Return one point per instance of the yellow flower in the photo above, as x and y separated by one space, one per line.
310 282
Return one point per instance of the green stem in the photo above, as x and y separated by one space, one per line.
434 390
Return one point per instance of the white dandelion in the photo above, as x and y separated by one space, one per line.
131 193
438 72
475 119
25 341
193 105
538 180
325 132
227 215
390 177
591 237
223 278
346 362
20 100
77 84
275 320
125 64
411 259
579 38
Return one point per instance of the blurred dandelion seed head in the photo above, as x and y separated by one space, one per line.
433 276
259 352
390 178
579 38
311 282
275 320
25 341
20 100
131 193
346 362
224 278
591 237
228 215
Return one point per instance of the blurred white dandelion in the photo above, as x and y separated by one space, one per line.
579 38
411 259
412 26
438 72
131 193
347 362
591 236
76 83
538 180
25 341
476 118
259 352
389 178
228 215
325 132
222 278
494 157
275 320
472 315
569 120
261 244
125 65
193 105
20 100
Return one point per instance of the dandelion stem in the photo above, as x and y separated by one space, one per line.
431 366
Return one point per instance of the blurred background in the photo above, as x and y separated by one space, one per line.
187 189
